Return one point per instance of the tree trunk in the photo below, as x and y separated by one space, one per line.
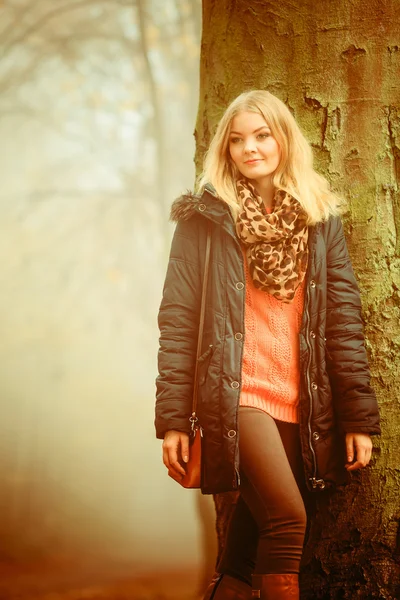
158 130
336 64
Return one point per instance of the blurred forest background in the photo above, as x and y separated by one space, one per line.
97 111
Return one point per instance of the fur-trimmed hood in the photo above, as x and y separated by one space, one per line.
185 206
207 203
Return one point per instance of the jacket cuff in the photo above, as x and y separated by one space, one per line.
162 426
370 430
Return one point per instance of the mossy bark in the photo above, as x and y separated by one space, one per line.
337 66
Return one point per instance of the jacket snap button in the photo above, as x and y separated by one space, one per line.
238 336
315 436
314 385
312 283
235 385
202 207
239 285
231 433
312 334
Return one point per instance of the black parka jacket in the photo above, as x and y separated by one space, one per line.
335 392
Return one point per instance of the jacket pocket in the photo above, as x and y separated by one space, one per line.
204 362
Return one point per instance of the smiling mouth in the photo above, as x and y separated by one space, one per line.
250 162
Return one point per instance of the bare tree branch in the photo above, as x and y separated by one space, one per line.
44 118
42 21
20 14
24 75
65 42
157 116
50 193
195 8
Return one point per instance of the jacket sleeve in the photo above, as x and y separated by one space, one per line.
178 323
347 363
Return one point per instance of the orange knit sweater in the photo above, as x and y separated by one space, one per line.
271 361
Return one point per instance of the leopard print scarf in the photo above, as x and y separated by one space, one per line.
276 243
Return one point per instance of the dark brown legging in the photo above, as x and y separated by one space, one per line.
266 531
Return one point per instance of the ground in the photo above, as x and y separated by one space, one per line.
55 581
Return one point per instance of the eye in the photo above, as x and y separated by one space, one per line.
234 140
263 136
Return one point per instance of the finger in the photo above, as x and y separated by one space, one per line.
170 453
349 448
367 455
354 466
361 461
174 475
170 457
176 466
165 457
362 455
185 448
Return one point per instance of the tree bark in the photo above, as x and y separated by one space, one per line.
336 64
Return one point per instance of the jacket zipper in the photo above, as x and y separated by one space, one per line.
313 479
315 482
237 474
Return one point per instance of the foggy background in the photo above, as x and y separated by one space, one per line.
97 111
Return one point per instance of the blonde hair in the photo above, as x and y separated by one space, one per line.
295 173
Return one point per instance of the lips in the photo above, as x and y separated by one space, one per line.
252 162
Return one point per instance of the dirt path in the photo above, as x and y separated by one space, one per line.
75 582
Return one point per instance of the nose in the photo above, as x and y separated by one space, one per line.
249 146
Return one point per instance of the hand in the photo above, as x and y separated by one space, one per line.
358 449
175 450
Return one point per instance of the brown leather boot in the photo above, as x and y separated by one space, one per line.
276 586
225 587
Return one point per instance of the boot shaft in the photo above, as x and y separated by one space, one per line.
225 587
276 586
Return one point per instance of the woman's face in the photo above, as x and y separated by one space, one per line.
252 147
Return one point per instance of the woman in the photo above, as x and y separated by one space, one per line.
284 387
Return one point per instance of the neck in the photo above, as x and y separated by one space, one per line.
266 190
